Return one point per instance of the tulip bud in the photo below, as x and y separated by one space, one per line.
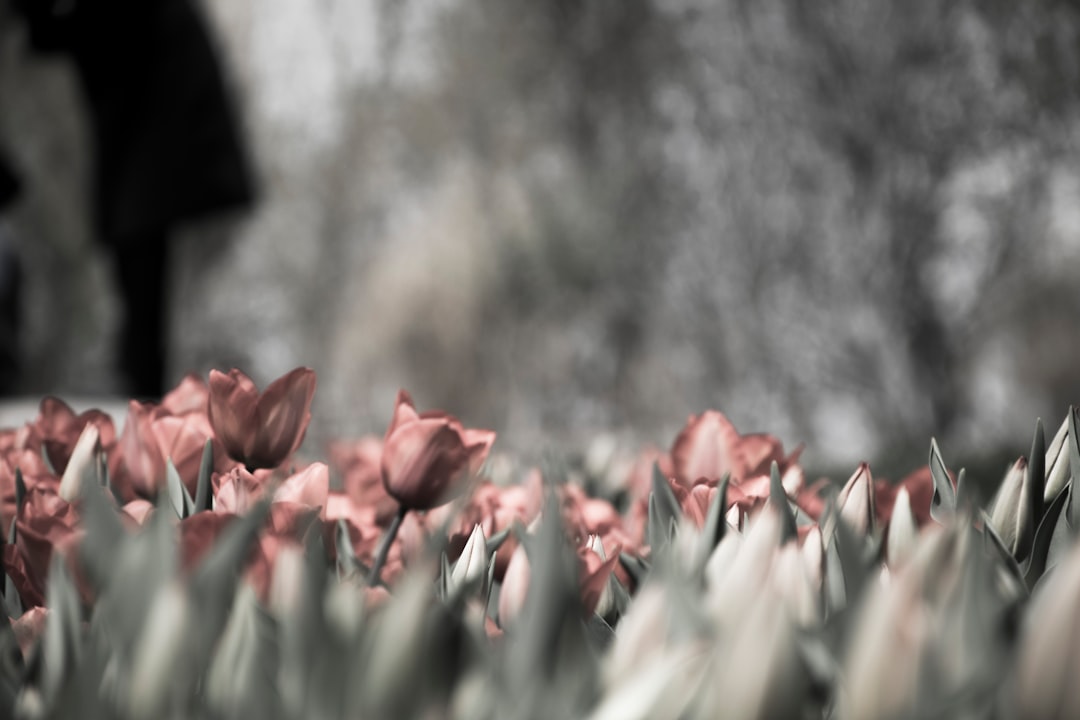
813 557
792 582
81 464
731 592
903 530
287 581
1009 515
473 563
515 586
1057 463
1049 651
856 501
889 639
757 673
642 633
157 651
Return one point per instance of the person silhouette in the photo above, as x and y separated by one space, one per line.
10 281
166 143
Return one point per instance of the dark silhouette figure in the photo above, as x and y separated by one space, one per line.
10 277
166 143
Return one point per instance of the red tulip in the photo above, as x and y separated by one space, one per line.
920 488
137 466
709 446
426 456
57 428
45 522
261 430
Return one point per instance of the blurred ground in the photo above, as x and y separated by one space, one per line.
848 225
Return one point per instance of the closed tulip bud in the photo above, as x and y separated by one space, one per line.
158 651
515 586
261 430
856 501
889 639
903 531
642 633
792 581
473 563
1009 515
730 591
649 671
813 557
1057 463
81 463
757 672
287 581
427 456
1049 651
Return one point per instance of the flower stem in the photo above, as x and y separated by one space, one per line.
384 546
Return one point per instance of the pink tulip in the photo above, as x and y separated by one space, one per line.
57 428
920 489
494 508
310 487
190 396
709 447
29 627
261 430
137 466
360 465
46 522
427 456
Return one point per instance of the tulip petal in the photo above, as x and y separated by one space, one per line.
282 415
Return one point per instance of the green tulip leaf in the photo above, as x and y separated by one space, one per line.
495 541
104 535
664 508
1036 563
779 499
203 498
715 523
12 602
179 496
62 641
635 567
943 504
20 494
1074 467
346 555
994 540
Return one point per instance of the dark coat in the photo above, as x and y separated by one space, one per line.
167 146
9 184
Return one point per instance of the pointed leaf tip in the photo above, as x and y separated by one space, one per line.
943 504
779 499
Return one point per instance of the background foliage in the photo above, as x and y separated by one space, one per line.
853 224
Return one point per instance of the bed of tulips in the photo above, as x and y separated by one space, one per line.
194 565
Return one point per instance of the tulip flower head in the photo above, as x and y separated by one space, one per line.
261 430
426 456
